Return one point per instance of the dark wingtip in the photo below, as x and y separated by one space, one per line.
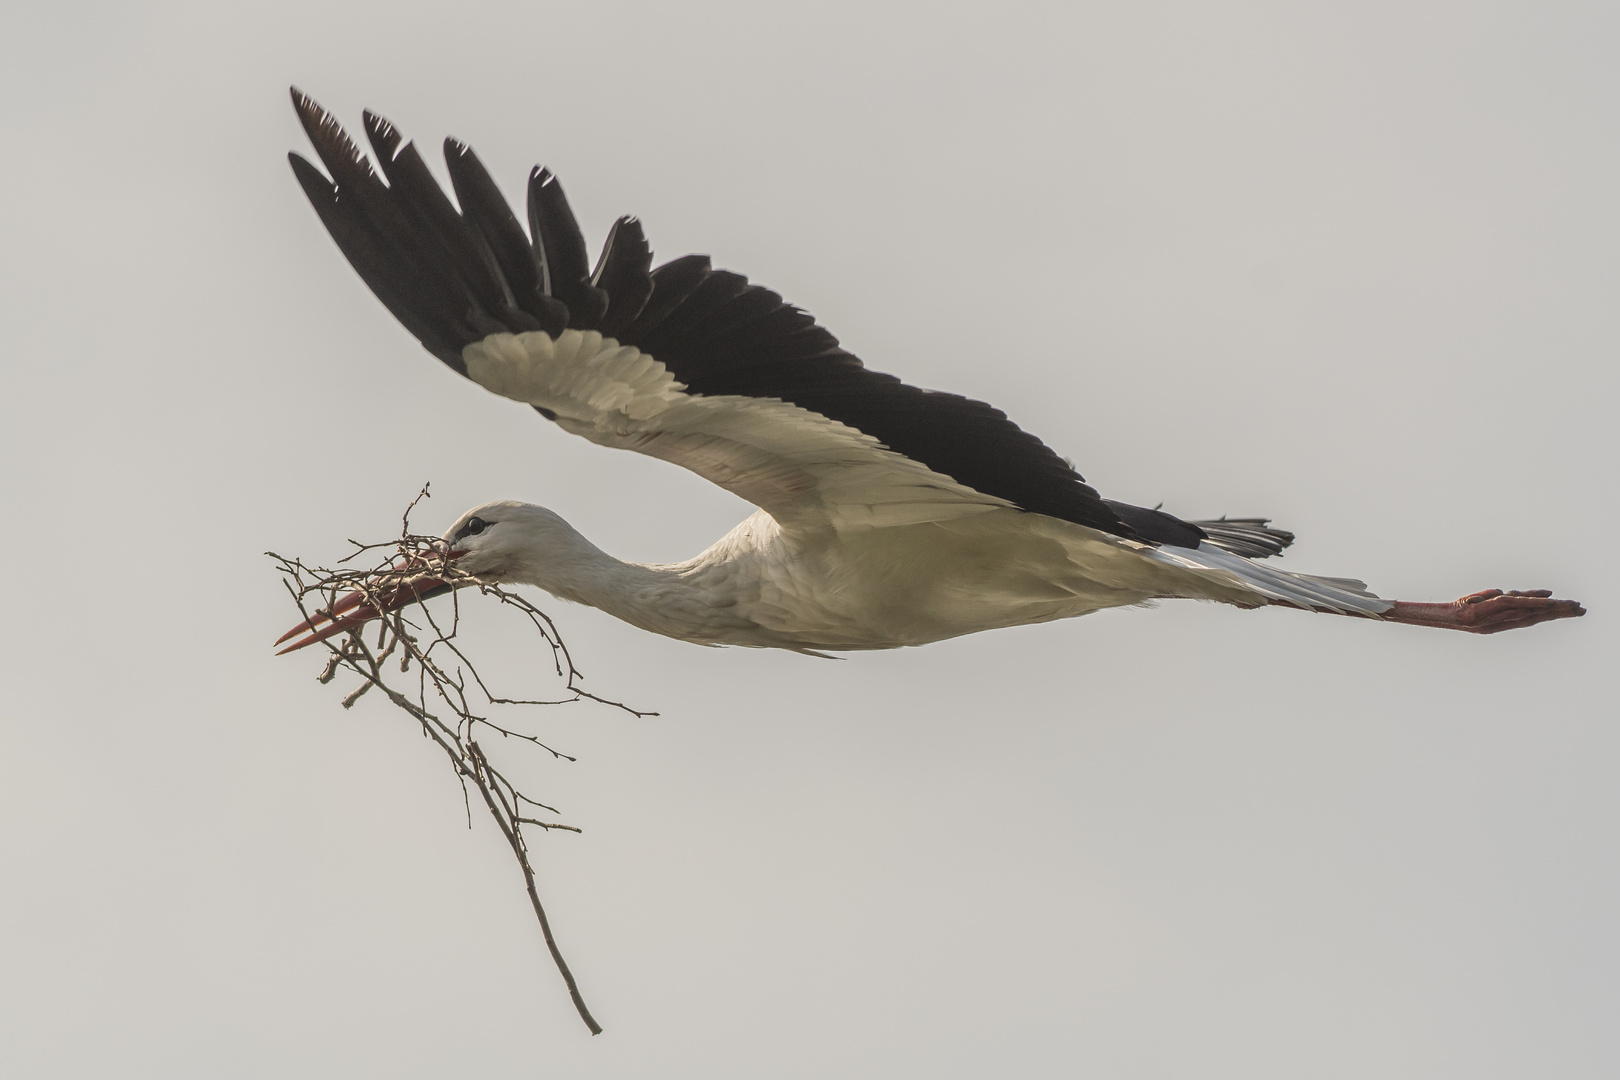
384 137
320 191
459 156
622 273
309 110
337 151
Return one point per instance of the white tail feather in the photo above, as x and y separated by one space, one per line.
1346 596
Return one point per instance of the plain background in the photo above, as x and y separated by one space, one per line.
1353 266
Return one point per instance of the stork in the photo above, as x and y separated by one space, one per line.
888 515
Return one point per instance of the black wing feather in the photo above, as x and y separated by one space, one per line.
376 265
692 320
1157 525
672 284
443 236
623 274
379 241
497 229
562 247
453 277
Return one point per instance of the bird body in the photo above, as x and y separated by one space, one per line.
823 589
888 515
857 547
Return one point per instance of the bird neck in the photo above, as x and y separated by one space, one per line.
689 600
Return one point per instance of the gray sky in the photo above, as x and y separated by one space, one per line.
1352 266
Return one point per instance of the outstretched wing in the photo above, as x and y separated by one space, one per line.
684 362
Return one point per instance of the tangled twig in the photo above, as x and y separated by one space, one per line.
444 677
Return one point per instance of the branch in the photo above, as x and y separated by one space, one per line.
316 591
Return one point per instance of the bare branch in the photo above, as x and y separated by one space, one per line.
423 641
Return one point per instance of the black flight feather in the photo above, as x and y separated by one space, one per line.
672 284
497 228
375 265
444 237
453 277
623 275
562 248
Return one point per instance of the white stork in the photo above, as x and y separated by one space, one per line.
888 515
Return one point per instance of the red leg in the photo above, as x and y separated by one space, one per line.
1486 612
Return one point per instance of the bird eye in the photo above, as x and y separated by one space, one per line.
473 527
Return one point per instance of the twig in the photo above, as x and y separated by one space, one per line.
512 826
414 556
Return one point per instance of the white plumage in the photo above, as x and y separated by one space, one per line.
819 588
795 464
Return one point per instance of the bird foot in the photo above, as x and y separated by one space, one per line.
1487 612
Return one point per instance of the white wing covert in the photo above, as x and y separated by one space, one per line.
801 467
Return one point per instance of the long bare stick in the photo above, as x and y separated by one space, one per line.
512 826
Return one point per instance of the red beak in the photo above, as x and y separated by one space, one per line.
352 610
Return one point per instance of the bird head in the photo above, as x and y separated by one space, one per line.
498 541
505 540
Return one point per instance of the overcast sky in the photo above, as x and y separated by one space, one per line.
1353 266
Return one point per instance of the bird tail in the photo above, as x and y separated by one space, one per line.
1235 579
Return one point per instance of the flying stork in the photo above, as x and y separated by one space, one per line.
888 515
